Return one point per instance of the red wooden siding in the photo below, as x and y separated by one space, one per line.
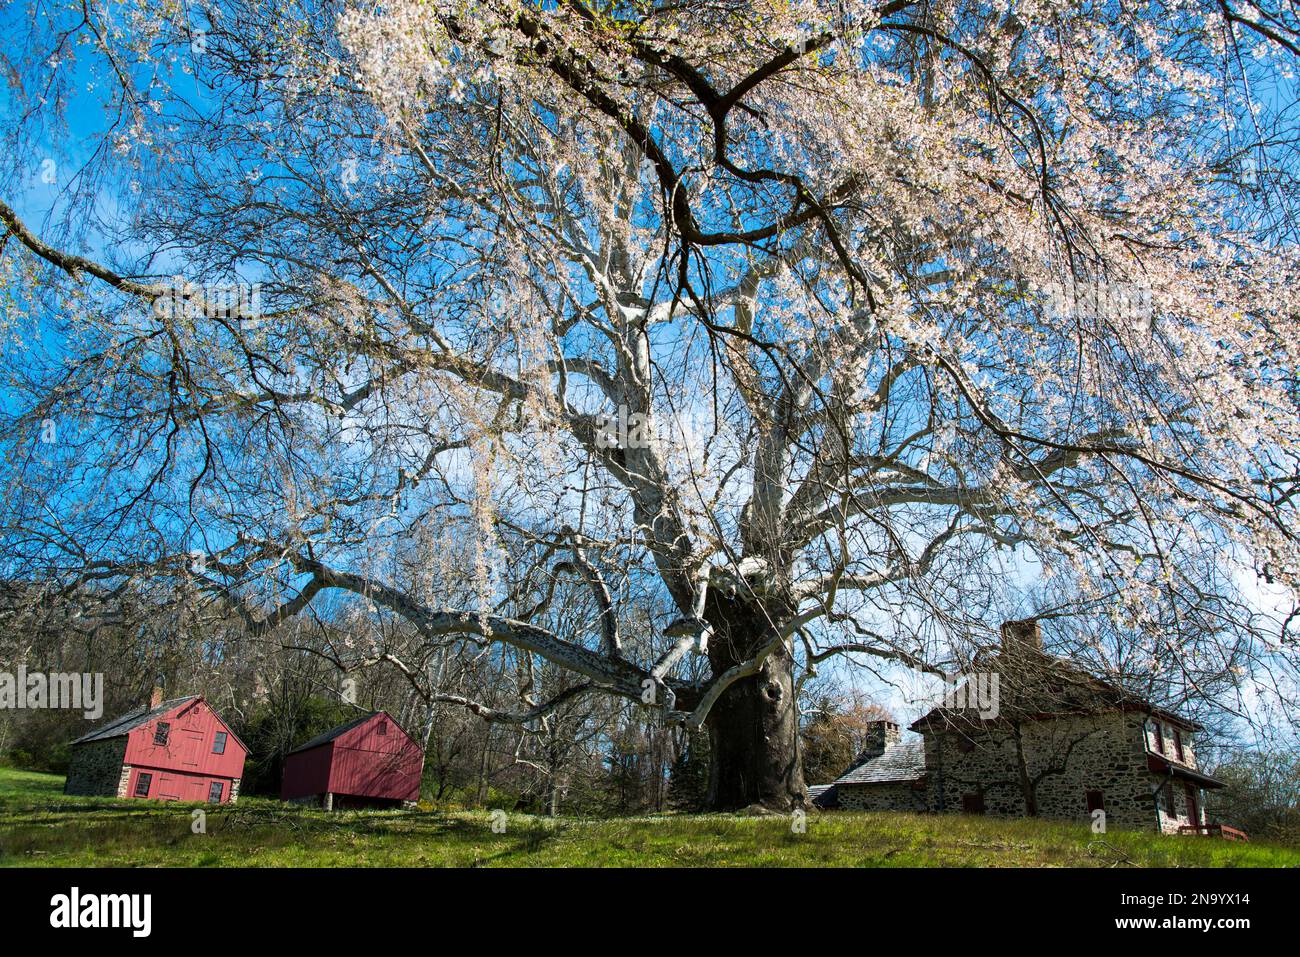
177 786
306 773
186 767
360 762
190 741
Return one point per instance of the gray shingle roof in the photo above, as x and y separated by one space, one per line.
131 720
904 761
822 795
333 733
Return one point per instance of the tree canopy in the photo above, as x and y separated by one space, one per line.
811 330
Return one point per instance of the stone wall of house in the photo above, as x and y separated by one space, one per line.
95 768
1167 742
1175 809
1174 744
890 796
1068 756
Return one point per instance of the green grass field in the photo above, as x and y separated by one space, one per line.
41 827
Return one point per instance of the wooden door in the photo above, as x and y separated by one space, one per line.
170 787
190 747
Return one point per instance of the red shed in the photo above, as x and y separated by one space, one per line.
369 762
177 750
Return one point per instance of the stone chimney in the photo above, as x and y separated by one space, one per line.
155 697
880 735
1021 637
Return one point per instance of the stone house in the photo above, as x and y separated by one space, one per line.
1054 742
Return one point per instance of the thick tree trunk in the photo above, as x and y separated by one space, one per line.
754 726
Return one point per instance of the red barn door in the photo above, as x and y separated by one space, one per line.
170 787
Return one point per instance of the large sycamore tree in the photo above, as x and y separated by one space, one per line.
805 329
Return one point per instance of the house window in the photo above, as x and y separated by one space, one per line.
1178 744
1169 799
219 743
142 782
1096 801
972 802
1193 809
214 792
161 733
383 727
1160 737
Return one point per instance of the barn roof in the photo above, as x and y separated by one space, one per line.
342 729
132 720
901 761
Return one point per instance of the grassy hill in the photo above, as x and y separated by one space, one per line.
39 826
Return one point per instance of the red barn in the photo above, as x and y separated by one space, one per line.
369 762
176 750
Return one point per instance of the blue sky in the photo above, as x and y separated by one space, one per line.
39 195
